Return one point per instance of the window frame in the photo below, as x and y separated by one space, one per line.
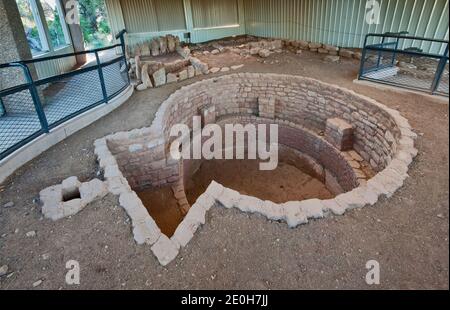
64 26
43 31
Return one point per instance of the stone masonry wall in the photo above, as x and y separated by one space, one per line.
298 101
143 162
301 107
308 143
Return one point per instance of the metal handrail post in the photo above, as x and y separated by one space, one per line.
363 58
121 37
439 71
35 96
102 78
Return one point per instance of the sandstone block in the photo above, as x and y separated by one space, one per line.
165 250
191 71
266 107
183 234
214 70
159 77
315 46
183 75
171 78
264 53
94 189
154 47
294 214
171 43
339 133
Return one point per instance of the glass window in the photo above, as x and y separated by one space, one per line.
32 26
55 23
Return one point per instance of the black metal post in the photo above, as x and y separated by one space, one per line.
36 100
363 58
102 79
439 71
2 107
379 53
394 55
121 37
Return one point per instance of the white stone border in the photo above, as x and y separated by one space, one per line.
294 213
55 208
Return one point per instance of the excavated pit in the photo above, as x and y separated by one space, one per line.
338 150
287 182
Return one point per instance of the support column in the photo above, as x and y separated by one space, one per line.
14 44
188 16
76 35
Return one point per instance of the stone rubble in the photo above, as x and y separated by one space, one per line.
262 48
31 234
8 205
331 58
3 270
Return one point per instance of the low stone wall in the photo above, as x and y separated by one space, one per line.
301 107
298 101
296 137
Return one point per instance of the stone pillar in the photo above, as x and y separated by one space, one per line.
76 36
339 133
13 45
266 107
208 114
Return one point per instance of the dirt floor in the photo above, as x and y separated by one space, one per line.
407 234
163 208
287 183
226 59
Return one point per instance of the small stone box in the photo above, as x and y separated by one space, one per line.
339 133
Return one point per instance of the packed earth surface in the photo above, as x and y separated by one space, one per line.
407 234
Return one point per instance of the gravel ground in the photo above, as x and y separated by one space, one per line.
407 234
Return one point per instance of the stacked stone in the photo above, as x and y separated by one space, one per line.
262 48
339 133
266 107
298 99
155 47
325 49
155 74
143 162
303 107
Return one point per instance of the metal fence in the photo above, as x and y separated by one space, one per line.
35 107
399 60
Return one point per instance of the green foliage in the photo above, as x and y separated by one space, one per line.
55 30
29 25
94 23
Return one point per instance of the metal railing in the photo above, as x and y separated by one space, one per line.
405 61
34 107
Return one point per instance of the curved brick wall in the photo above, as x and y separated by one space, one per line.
308 143
302 107
298 101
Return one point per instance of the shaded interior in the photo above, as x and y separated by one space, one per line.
162 207
285 183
